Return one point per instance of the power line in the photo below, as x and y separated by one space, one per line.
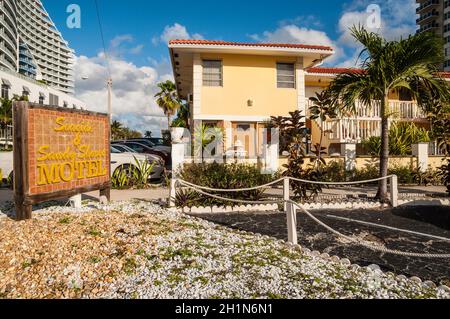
103 37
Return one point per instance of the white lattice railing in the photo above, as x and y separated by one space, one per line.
367 120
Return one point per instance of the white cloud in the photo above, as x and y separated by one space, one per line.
397 19
294 34
120 45
175 32
133 90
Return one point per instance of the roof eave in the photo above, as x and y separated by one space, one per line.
250 48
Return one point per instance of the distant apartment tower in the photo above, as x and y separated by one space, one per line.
31 44
435 17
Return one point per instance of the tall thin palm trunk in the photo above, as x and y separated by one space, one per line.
384 158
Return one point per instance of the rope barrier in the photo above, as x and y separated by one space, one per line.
340 183
200 190
219 190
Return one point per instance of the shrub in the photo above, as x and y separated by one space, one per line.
445 174
401 137
429 177
405 174
222 176
132 176
334 172
294 168
120 180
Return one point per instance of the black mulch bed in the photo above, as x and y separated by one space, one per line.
429 220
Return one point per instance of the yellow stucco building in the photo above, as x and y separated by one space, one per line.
239 86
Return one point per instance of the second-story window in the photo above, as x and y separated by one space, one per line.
5 91
54 100
286 75
212 73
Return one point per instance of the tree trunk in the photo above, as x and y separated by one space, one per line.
168 122
382 194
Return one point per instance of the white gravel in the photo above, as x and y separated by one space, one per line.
185 258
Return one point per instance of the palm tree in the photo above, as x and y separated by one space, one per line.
116 129
167 99
409 64
183 115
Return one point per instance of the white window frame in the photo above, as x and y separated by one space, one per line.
294 76
221 72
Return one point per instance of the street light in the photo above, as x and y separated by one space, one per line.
109 87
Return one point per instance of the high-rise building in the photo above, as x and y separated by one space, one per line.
31 44
435 17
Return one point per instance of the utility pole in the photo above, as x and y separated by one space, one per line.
109 85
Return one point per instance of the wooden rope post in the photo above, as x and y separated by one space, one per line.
291 213
394 190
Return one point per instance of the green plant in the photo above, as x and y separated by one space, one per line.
294 168
120 179
290 128
323 109
182 119
409 64
142 172
222 176
405 174
445 174
429 177
401 137
333 172
204 135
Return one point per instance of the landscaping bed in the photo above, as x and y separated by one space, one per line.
140 250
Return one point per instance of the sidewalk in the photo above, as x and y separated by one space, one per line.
116 195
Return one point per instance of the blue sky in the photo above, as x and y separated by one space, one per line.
137 31
228 20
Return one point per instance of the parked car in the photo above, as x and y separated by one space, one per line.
121 160
158 141
144 149
124 149
159 145
149 143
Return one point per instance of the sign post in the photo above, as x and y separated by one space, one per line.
58 153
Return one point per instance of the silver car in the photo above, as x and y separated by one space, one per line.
122 157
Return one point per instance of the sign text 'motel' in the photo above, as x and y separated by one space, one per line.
58 153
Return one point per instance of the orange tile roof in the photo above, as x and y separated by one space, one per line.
250 44
320 70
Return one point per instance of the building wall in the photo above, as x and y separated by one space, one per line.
43 53
9 35
433 17
248 78
17 86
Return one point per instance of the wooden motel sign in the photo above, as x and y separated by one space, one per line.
58 153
